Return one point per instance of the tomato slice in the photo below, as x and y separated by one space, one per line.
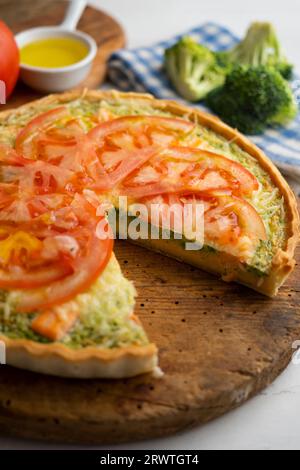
63 146
87 268
127 163
230 223
241 180
122 145
180 168
69 149
230 207
51 238
15 247
37 176
9 156
25 144
21 210
19 278
141 131
79 157
67 134
33 176
125 144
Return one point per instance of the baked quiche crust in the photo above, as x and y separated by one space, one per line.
90 362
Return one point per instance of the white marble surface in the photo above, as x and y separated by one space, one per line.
271 420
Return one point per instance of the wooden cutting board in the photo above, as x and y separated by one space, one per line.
106 31
219 345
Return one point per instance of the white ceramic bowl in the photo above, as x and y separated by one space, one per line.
61 78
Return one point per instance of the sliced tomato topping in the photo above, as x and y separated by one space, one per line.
66 135
25 143
50 249
177 169
125 144
81 159
70 150
141 131
64 146
241 180
230 223
49 238
19 278
20 210
86 269
9 156
229 218
37 176
19 249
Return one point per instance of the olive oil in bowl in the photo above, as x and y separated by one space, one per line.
53 52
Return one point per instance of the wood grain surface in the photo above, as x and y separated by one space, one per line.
24 14
219 345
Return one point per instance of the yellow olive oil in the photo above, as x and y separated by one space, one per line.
53 52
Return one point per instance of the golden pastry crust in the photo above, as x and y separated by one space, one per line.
56 358
85 363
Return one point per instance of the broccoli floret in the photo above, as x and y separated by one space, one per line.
254 98
286 70
260 47
193 69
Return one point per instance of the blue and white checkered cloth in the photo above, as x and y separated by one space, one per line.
141 70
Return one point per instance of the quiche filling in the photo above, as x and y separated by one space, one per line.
59 281
105 318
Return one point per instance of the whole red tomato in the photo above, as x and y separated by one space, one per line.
9 58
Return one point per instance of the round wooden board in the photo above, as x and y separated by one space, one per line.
219 345
106 31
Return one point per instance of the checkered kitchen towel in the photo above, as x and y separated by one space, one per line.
142 70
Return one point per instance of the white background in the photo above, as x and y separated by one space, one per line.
147 21
272 419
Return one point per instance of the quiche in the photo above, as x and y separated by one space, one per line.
67 164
